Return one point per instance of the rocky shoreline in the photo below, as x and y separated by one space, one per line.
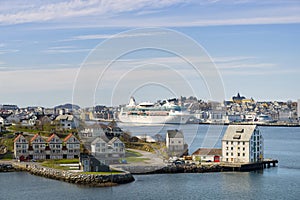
93 180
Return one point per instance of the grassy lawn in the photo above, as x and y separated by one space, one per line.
132 157
55 164
136 159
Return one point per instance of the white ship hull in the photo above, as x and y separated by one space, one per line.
170 119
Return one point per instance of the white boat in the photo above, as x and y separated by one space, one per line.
153 113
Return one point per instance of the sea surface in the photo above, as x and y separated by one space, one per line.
282 182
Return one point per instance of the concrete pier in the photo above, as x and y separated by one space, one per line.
249 166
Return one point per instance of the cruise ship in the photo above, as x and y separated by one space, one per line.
166 112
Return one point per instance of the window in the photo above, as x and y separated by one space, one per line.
231 142
226 153
243 148
238 148
243 143
239 154
231 148
244 154
227 148
231 154
226 142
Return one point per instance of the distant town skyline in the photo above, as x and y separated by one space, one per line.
254 45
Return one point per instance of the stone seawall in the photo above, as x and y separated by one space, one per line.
165 169
188 169
95 180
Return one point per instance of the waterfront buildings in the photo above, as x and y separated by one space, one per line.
21 146
55 145
207 155
175 142
38 147
53 148
72 147
108 151
242 144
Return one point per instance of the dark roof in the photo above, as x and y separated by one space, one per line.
175 134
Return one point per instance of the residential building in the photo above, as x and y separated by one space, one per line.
55 146
112 130
72 147
175 142
207 155
89 163
95 130
38 147
67 121
21 146
242 144
108 152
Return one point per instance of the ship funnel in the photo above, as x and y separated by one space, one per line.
132 102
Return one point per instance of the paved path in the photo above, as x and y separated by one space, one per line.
153 163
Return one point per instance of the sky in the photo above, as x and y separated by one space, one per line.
102 52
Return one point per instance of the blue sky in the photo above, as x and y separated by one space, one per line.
255 47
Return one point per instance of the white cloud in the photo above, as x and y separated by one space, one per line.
107 36
141 13
5 51
76 8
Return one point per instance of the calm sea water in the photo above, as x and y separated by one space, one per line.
282 182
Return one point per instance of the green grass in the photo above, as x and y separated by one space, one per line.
133 157
55 164
130 153
136 159
8 156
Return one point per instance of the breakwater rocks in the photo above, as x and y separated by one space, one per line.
6 167
171 168
188 169
94 180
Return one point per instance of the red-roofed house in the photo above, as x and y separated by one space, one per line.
38 145
72 145
55 145
207 155
21 147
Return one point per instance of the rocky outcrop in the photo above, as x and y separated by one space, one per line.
96 180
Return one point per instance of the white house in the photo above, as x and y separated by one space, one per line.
95 130
21 146
108 152
175 142
242 144
67 121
